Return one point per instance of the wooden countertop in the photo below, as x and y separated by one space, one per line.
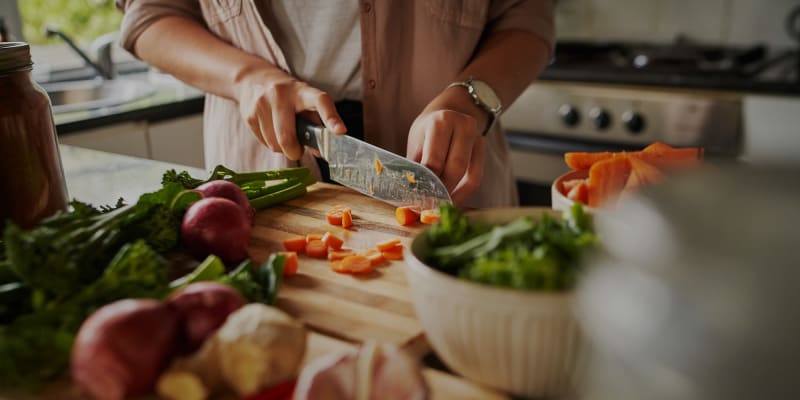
341 311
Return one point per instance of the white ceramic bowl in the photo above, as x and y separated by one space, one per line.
522 342
558 196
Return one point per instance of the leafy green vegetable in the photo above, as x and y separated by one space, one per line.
522 254
54 276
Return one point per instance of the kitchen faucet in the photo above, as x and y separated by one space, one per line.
105 65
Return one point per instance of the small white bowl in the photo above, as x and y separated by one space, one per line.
558 195
522 342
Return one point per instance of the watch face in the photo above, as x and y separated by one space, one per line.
486 95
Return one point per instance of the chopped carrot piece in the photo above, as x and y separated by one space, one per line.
568 185
334 255
386 245
316 249
313 236
334 216
357 264
394 253
658 154
296 244
411 178
337 266
332 241
579 192
375 257
378 166
291 265
642 173
347 218
606 180
429 216
406 215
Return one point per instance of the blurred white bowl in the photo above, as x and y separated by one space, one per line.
558 195
523 342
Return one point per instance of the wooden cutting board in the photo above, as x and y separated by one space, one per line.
350 307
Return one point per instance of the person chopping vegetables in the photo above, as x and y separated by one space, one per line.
425 78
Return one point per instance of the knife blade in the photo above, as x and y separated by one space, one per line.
373 171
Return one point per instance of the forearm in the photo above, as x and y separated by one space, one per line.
508 61
187 50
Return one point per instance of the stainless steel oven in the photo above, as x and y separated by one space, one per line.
624 96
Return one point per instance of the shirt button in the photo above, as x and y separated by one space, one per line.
367 7
372 83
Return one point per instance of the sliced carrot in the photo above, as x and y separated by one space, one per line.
375 257
568 185
429 216
406 215
332 241
337 266
410 177
642 173
334 255
658 154
606 180
291 264
313 236
334 216
357 264
316 249
394 253
347 218
378 166
386 245
296 244
579 192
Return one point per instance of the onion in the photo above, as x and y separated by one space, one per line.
230 191
203 308
122 348
216 226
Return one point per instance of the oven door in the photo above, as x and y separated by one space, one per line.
537 160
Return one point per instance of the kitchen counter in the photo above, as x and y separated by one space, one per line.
172 99
340 311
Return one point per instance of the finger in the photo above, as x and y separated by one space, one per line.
283 119
437 140
460 152
414 144
255 127
315 99
472 179
267 132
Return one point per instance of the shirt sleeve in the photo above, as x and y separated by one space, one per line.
534 16
140 14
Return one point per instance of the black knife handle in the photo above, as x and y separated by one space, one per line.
308 134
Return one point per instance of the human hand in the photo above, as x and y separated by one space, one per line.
270 99
446 138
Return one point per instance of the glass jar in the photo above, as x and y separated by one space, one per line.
32 182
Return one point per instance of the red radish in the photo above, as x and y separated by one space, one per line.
227 190
122 348
216 226
203 307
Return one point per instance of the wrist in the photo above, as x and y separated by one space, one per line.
457 98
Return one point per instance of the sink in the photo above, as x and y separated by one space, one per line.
91 94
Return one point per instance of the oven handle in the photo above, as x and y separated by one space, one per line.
525 141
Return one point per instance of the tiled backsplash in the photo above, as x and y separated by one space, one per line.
742 22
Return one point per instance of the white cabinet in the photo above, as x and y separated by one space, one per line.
128 138
178 141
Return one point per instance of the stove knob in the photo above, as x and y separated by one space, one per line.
633 121
569 115
600 118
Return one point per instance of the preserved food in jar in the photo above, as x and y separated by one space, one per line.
31 178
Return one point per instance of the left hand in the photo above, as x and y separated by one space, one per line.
446 138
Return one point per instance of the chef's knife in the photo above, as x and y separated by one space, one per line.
374 171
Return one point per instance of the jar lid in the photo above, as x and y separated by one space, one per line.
14 57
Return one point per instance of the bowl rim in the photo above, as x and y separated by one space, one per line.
420 267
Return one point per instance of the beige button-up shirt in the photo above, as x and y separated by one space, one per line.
411 51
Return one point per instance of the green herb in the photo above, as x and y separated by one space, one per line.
525 254
54 276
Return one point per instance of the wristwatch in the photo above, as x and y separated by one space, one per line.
484 96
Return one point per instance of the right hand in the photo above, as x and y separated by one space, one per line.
270 99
